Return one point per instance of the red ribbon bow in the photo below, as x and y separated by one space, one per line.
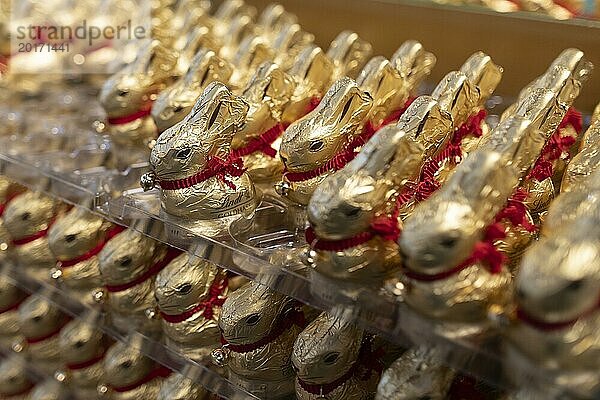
143 112
215 167
214 299
516 211
28 239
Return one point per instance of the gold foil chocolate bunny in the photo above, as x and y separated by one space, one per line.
257 141
349 54
447 243
76 239
354 213
11 298
128 265
49 389
127 96
178 387
258 328
418 374
334 359
176 101
324 141
392 84
14 380
202 185
556 319
28 219
252 52
40 323
129 375
189 293
8 191
290 41
82 347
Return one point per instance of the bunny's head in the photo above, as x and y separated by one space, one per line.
457 95
313 71
178 387
175 103
9 293
136 86
208 130
413 63
183 283
125 365
558 279
290 41
483 73
326 349
267 94
252 52
30 213
349 54
76 232
80 341
127 255
13 376
251 312
38 318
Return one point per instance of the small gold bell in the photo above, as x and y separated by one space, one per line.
220 356
148 180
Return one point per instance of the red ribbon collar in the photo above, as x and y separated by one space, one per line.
542 325
38 339
13 307
8 200
557 146
31 238
92 252
367 362
214 299
222 169
144 112
86 364
261 143
484 251
155 269
158 372
294 317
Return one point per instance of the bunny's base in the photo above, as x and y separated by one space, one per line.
193 351
266 390
125 323
184 229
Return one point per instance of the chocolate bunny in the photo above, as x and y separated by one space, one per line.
349 54
11 298
319 144
258 328
49 389
178 387
177 100
40 323
129 375
14 380
8 191
556 319
345 209
253 50
189 293
333 358
76 239
82 348
127 96
257 141
27 220
393 83
128 266
289 42
202 185
418 374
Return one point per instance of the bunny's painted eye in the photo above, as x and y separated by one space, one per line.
316 145
126 364
79 344
352 211
25 216
125 261
575 285
252 319
70 237
123 92
184 288
183 153
331 357
178 108
449 240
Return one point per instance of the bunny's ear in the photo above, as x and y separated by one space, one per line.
280 88
161 63
345 102
238 109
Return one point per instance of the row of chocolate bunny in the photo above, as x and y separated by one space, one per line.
266 340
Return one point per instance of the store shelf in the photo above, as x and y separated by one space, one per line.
153 349
377 312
